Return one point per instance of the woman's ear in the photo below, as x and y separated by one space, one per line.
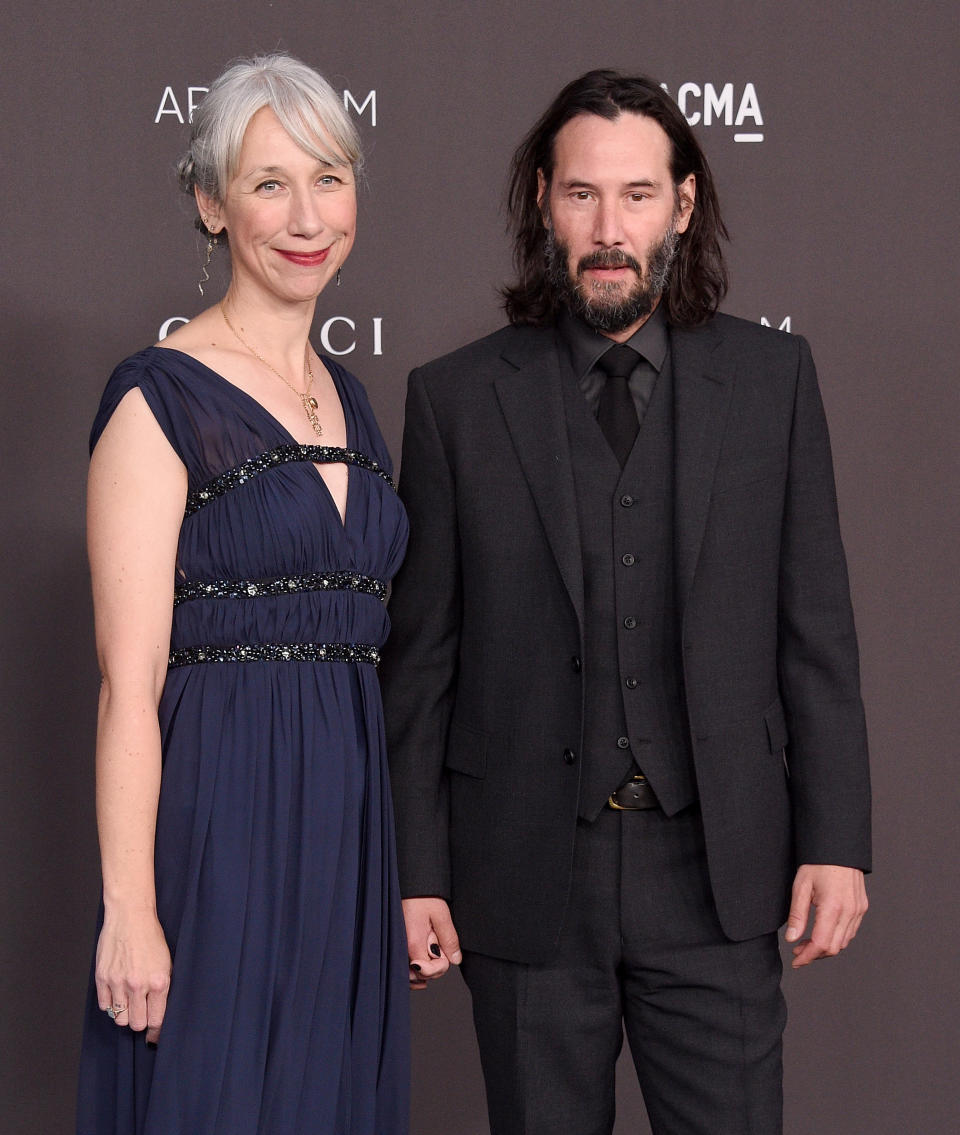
210 211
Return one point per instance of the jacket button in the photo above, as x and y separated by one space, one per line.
576 664
628 560
623 742
626 500
630 622
569 756
631 683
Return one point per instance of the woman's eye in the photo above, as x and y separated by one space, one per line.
268 186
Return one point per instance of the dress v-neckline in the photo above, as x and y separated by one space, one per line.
348 423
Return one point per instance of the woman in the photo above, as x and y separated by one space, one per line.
251 970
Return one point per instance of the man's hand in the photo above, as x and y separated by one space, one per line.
840 898
432 942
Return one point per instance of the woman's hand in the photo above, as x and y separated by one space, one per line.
133 972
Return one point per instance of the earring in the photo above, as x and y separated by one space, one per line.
338 277
211 243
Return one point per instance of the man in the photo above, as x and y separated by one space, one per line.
622 687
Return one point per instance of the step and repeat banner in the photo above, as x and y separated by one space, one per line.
832 133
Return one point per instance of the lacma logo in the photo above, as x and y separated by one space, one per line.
172 107
709 105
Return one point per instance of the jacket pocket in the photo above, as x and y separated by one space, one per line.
776 723
466 751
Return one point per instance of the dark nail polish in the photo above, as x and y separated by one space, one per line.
435 949
151 1044
414 967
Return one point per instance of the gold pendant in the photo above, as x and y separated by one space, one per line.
310 409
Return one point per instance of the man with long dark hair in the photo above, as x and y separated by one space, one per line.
622 690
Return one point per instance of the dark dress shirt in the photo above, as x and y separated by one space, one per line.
582 347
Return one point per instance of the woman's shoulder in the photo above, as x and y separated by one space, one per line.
161 376
153 366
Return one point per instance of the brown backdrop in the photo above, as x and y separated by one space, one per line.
843 223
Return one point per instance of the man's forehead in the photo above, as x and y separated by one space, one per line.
628 137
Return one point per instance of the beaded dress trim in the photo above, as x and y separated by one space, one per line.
277 652
282 585
282 455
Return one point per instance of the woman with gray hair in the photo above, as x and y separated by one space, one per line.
251 969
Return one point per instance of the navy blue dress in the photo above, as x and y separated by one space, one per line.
275 868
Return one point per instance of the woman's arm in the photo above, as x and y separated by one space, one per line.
136 493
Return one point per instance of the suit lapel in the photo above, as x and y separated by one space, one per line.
532 403
702 398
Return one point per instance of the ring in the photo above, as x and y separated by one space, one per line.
115 1010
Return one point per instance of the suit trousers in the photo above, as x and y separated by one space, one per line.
641 950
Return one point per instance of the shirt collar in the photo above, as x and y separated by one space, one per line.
584 345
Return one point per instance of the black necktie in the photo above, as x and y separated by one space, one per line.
616 414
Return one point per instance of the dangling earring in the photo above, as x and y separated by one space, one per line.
338 277
211 244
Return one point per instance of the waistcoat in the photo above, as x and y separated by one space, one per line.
634 716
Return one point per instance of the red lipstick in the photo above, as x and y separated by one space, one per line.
305 259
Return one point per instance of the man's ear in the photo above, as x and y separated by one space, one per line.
542 203
686 201
210 210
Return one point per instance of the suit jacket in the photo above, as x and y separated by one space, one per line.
483 704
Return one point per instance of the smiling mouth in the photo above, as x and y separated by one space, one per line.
305 259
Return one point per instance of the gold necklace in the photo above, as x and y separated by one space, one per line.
307 400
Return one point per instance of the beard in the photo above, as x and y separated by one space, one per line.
606 306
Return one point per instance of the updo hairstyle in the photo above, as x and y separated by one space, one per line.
307 106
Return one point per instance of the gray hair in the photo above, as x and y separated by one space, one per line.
306 105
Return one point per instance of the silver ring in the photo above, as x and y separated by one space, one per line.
115 1010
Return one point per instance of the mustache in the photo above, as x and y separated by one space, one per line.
608 258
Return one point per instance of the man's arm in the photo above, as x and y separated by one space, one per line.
418 675
820 686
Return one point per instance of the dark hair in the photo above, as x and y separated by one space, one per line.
698 279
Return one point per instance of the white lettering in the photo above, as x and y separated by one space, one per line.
749 106
193 103
688 89
784 326
719 105
173 108
167 326
325 335
378 335
715 105
371 100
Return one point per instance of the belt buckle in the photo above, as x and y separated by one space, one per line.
612 801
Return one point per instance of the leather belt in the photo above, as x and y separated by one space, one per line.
635 795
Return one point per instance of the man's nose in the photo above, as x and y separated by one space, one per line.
608 227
